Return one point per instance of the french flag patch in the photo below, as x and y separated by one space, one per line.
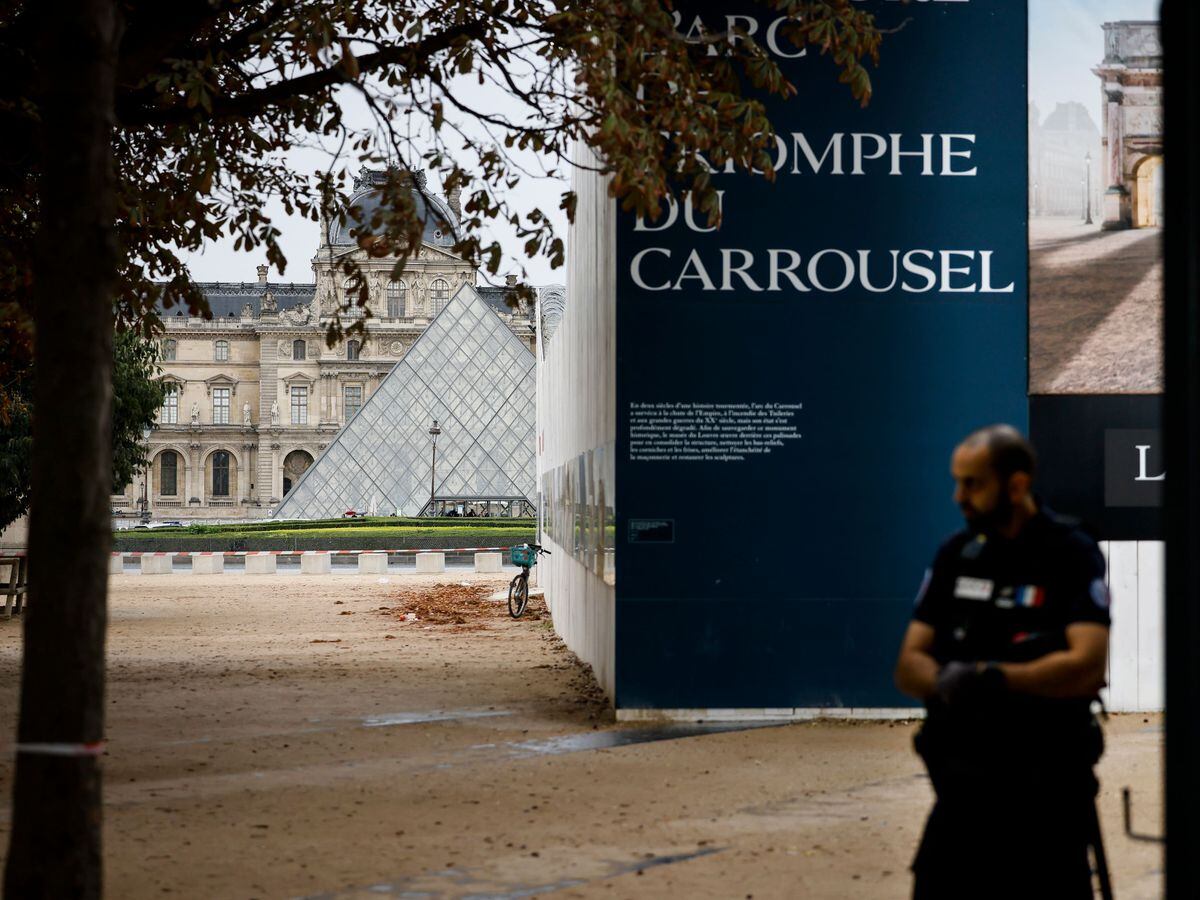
1030 595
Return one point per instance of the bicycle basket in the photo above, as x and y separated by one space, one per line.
524 555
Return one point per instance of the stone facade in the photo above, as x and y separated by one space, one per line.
257 394
1066 166
1132 132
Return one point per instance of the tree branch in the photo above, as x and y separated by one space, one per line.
251 103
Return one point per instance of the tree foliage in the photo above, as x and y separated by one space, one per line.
137 397
212 93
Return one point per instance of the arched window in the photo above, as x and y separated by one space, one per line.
294 465
170 346
221 351
395 299
299 349
220 473
439 295
352 348
168 473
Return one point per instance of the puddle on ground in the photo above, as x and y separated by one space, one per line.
444 715
603 740
378 721
428 886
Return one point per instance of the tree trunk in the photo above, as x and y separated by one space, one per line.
55 845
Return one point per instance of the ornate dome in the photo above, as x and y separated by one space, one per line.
441 225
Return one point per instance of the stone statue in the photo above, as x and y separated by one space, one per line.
195 413
274 412
246 413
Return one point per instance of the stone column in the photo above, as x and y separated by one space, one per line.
329 415
1117 211
198 473
276 471
268 392
248 473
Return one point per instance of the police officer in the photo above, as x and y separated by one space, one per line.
1007 648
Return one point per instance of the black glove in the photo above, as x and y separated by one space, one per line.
965 683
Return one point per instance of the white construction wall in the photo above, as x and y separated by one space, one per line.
1136 656
576 430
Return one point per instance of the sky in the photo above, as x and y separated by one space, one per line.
1066 41
220 262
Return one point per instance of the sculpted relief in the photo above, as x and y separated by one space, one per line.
1141 41
298 315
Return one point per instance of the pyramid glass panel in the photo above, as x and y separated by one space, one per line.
477 379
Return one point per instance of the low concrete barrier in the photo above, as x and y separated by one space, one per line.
208 565
316 564
372 563
428 563
156 565
489 562
260 565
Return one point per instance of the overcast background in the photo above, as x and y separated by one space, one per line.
1065 42
220 262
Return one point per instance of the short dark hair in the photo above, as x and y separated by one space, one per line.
1009 451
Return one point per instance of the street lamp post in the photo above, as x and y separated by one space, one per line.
1087 168
433 433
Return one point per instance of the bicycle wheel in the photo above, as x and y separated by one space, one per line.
518 594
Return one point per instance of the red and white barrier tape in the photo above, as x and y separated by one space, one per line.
94 748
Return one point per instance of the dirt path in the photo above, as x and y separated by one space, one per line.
301 737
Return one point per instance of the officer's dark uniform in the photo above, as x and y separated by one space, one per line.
1012 772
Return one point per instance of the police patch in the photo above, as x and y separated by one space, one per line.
973 588
1099 593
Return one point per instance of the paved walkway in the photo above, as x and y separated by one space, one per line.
1095 309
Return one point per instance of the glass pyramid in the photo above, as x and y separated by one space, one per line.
473 375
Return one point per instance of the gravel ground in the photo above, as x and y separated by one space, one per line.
303 736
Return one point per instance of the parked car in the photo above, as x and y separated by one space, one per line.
351 514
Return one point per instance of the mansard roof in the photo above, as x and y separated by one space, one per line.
1070 116
227 298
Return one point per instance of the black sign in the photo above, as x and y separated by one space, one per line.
791 384
1133 467
1101 458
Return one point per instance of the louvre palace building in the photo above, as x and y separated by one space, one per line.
254 395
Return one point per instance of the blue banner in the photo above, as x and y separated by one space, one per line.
791 385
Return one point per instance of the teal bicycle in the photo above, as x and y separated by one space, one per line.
525 556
